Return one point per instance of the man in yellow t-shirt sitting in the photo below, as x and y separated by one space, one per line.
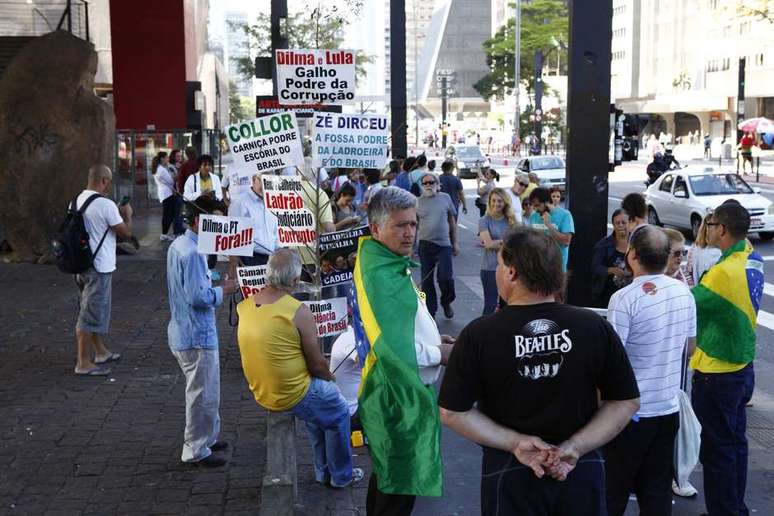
285 369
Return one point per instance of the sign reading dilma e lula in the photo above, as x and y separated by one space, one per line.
266 143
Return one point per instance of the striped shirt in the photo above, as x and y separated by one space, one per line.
654 316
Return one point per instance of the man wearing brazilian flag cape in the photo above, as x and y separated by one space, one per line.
401 355
727 302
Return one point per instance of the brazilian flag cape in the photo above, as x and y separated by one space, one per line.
398 412
727 302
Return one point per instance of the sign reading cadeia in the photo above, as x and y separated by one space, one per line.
266 143
315 76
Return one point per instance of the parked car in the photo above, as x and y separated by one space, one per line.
550 169
468 159
681 198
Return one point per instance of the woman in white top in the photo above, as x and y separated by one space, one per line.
203 182
701 256
165 186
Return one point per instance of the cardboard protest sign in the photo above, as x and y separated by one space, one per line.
337 255
269 105
349 141
266 143
251 279
315 76
225 235
282 195
330 315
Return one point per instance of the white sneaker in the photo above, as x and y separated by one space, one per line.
686 491
166 238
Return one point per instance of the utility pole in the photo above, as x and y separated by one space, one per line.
398 77
588 129
538 114
444 97
517 67
739 107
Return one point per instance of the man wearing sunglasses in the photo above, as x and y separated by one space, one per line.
437 235
727 302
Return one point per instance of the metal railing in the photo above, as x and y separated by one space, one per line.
38 17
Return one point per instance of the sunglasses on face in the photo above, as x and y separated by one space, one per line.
679 253
429 183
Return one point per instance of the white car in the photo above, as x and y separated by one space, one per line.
550 169
682 197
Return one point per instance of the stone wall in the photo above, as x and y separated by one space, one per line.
52 128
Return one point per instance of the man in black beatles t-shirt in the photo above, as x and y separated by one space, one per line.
535 370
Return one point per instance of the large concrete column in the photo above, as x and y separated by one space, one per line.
704 122
669 118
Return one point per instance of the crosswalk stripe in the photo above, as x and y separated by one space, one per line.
766 319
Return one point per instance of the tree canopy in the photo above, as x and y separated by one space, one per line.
544 26
320 28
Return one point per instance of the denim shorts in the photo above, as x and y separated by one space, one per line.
94 302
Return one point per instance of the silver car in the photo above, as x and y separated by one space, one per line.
550 169
681 198
468 159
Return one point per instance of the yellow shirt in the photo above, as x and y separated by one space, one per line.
272 359
528 190
704 363
311 202
206 184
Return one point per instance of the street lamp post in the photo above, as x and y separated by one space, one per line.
517 66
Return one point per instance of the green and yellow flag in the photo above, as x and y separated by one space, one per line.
727 302
399 413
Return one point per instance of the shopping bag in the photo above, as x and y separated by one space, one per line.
688 440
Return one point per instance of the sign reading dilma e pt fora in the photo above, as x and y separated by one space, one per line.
266 143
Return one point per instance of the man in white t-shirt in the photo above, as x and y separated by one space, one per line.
250 204
520 183
103 220
655 317
346 368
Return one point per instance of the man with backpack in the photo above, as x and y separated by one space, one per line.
102 221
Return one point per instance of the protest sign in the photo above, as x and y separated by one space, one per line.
315 76
266 143
349 141
251 279
269 105
225 235
337 255
282 196
330 315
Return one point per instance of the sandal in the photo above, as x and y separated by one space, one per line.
110 357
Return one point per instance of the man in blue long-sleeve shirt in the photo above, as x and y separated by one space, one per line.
193 338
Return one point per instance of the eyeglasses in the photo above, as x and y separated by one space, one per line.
429 183
523 184
679 253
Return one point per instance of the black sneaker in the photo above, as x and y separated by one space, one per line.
212 461
219 446
448 312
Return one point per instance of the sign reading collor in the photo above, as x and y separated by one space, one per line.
266 143
330 315
349 141
282 195
251 279
225 235
315 76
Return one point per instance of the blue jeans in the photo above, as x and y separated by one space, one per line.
719 400
326 415
489 283
435 258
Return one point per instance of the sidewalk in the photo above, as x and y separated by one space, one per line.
111 445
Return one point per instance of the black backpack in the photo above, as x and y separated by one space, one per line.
70 246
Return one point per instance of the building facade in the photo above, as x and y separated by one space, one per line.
676 62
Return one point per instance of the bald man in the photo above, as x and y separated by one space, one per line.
103 221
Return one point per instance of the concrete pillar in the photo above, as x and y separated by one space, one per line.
669 118
704 122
